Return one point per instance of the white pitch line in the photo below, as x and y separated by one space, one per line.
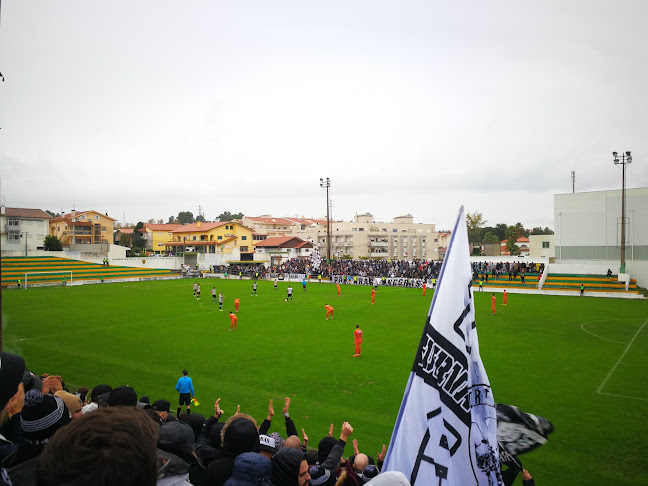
623 396
582 326
620 359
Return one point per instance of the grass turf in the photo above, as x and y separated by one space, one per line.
546 354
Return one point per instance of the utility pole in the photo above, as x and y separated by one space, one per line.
573 181
625 160
326 183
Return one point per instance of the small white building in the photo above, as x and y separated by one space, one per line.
280 249
23 230
541 246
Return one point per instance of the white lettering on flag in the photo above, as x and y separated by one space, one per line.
446 430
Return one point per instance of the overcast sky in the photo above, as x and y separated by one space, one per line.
148 108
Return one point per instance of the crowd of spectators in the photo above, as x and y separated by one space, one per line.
414 273
107 436
359 268
502 270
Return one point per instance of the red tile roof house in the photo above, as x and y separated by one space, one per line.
23 230
522 242
279 249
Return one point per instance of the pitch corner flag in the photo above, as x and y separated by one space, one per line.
446 429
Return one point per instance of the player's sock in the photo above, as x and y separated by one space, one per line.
188 411
178 412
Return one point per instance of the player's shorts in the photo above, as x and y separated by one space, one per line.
185 399
289 295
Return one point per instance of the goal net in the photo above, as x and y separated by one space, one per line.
62 277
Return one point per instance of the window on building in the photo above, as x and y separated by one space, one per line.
14 235
220 237
545 244
103 228
13 222
360 229
394 230
194 238
97 218
354 229
244 237
244 248
436 240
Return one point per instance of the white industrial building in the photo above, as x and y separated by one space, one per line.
588 232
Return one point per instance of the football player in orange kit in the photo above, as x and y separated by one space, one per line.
373 296
233 320
338 289
237 302
329 311
357 338
493 302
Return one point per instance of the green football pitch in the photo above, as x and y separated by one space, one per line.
580 362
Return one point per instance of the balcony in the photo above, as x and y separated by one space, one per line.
378 244
379 254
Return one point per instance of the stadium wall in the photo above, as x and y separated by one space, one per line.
588 230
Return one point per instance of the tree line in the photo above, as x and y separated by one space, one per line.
480 234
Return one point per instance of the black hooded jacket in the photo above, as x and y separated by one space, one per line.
285 466
239 436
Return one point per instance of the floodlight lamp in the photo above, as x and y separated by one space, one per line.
629 158
628 153
613 153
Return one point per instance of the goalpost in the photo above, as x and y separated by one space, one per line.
62 277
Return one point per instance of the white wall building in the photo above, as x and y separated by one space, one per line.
279 249
588 229
541 246
23 230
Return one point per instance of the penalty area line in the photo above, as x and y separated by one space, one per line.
613 369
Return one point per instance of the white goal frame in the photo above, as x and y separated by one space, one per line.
66 273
